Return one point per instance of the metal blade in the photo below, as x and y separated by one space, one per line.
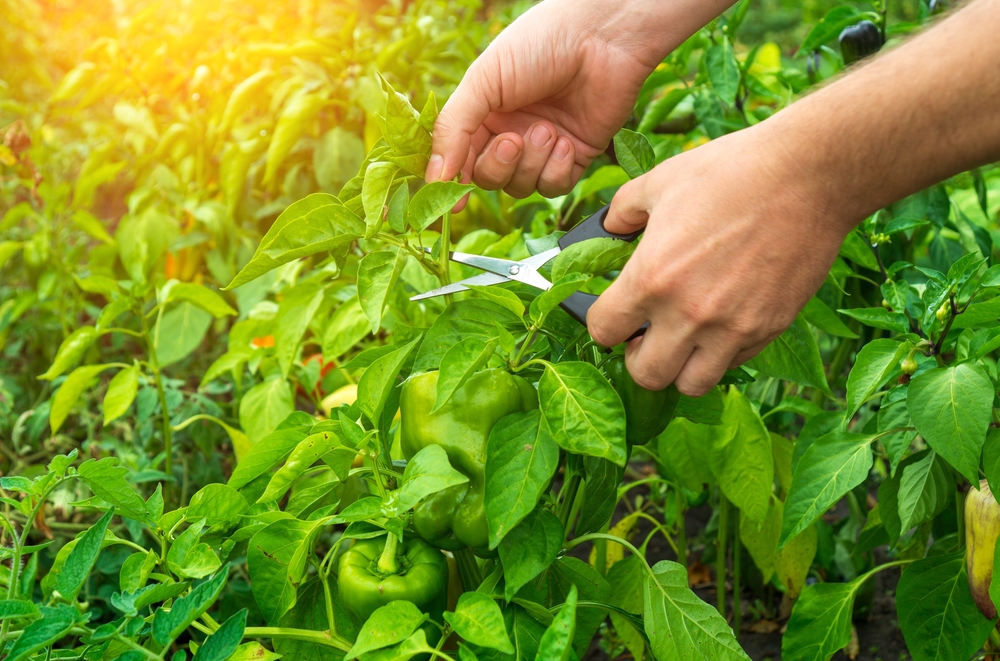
504 267
481 280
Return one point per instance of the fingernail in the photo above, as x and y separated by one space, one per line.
540 135
434 167
507 151
561 149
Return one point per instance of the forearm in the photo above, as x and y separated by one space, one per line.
650 29
919 114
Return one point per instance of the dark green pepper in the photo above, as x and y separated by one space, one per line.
374 572
859 41
647 412
454 519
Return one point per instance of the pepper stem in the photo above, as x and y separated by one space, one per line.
387 562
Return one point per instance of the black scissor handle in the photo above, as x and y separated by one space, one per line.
578 304
593 228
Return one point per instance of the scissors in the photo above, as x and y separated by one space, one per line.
526 270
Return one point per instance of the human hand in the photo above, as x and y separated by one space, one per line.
721 269
551 91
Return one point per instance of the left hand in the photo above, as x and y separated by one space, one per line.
737 240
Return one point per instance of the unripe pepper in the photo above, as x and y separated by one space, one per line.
909 365
982 527
454 518
370 575
859 41
647 412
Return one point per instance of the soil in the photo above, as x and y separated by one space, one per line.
878 636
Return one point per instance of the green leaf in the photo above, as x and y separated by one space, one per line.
310 613
399 203
433 201
53 625
253 652
793 356
626 579
221 645
69 392
991 460
528 549
634 153
706 409
388 625
684 448
121 393
217 504
660 108
600 494
295 313
502 297
377 276
428 472
271 449
71 351
130 603
337 157
74 572
11 609
521 459
937 615
168 625
189 557
833 465
879 318
793 561
473 317
305 454
459 363
297 114
608 176
316 223
875 363
762 542
264 406
592 257
741 457
583 411
550 299
951 407
346 328
679 624
830 26
478 620
8 249
107 479
379 379
556 643
819 314
723 70
925 488
179 332
375 194
198 295
820 625
268 558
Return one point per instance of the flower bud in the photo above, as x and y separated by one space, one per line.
982 527
909 365
944 311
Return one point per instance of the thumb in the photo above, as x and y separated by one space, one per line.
630 206
459 120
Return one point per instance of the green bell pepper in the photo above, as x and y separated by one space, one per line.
454 519
374 572
647 412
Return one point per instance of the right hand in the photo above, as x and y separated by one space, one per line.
545 98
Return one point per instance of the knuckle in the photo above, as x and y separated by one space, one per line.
695 385
649 378
600 329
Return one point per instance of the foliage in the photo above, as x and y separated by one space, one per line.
212 226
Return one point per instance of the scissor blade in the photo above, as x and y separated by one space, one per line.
481 280
492 264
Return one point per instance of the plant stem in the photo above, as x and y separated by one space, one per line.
468 569
737 606
720 558
387 562
681 526
569 499
960 516
601 552
324 638
444 258
168 449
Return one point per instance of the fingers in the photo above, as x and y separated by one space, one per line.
461 118
630 206
495 166
704 368
656 360
557 176
618 312
539 141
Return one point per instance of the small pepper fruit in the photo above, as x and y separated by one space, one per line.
982 527
647 412
454 518
909 365
369 578
943 311
859 41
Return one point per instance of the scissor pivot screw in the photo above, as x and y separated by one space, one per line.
514 270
